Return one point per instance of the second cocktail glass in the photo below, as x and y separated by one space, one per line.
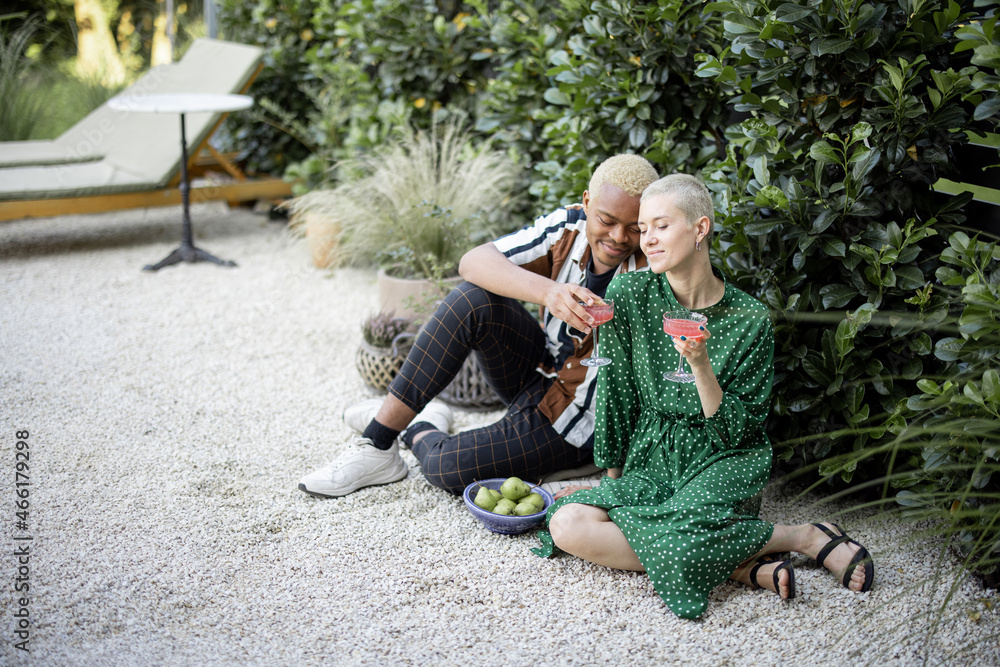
683 323
601 312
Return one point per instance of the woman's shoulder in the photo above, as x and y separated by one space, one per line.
633 279
747 308
632 287
740 299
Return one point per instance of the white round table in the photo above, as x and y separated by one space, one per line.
183 103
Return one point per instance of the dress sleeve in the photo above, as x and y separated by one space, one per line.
746 398
617 390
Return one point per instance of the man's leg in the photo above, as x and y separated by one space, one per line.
508 343
522 443
506 339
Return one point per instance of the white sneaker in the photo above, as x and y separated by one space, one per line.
362 465
359 415
437 413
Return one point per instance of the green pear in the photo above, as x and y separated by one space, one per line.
524 509
514 488
485 499
536 500
505 507
497 496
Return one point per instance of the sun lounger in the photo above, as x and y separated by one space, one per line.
119 159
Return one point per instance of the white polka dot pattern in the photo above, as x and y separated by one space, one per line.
689 495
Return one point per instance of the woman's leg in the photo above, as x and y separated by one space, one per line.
588 532
807 539
688 543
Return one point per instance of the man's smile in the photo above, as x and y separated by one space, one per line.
613 249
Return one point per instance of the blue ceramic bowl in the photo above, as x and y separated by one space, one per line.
499 523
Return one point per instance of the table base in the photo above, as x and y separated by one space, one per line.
187 253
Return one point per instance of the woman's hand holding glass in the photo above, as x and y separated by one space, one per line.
684 326
694 351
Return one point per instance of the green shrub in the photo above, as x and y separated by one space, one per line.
416 51
946 453
339 76
983 39
831 219
284 29
829 204
577 82
561 86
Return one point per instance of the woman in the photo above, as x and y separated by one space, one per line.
688 462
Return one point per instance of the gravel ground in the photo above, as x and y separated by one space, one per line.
171 414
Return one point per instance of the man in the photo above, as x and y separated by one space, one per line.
563 259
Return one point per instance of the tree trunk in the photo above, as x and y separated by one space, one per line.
97 53
162 48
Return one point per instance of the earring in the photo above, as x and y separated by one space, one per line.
697 245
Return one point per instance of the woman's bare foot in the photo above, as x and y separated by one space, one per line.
763 576
839 558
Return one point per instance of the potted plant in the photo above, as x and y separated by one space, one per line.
412 208
385 341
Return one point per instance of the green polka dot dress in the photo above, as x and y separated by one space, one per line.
689 495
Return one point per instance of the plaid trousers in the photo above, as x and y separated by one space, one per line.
508 344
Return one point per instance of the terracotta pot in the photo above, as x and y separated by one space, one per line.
321 238
412 298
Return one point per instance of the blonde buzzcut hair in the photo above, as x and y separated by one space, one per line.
627 171
690 196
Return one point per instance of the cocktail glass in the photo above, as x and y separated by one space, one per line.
685 323
601 312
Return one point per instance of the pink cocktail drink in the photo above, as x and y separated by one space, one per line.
678 328
683 323
602 312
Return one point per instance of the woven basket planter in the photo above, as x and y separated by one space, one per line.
379 365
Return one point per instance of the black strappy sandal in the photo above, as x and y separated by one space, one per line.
862 557
785 565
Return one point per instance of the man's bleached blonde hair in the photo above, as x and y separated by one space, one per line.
629 172
690 196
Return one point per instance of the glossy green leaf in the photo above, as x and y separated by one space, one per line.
834 247
793 13
837 296
830 46
821 151
556 96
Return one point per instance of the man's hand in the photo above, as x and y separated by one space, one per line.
487 267
563 301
